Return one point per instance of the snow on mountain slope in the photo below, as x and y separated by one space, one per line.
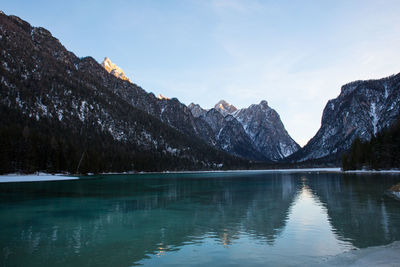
362 109
261 124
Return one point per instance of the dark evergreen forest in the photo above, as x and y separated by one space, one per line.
381 152
61 113
29 145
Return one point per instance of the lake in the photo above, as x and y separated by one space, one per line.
214 219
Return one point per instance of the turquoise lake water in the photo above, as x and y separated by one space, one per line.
200 219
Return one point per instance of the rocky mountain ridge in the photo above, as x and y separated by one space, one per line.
45 84
362 109
266 130
230 136
258 127
222 126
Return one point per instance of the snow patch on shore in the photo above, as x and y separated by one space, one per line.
11 178
373 171
373 256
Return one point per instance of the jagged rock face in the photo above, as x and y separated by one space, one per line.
230 136
196 110
362 109
259 127
233 139
43 80
114 69
225 108
266 130
215 119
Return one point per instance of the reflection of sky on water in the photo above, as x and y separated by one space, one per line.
307 234
308 229
207 220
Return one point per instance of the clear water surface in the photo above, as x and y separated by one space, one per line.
214 219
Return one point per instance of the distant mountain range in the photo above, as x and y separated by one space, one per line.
256 132
55 102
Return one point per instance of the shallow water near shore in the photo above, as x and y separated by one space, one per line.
216 219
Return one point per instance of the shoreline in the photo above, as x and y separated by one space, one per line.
41 177
300 170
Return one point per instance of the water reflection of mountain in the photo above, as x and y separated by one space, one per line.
123 224
358 207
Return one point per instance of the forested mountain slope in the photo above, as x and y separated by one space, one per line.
64 113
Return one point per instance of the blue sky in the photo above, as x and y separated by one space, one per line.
294 54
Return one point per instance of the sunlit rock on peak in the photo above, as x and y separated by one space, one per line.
161 97
114 69
224 107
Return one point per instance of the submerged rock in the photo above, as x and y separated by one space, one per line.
395 191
